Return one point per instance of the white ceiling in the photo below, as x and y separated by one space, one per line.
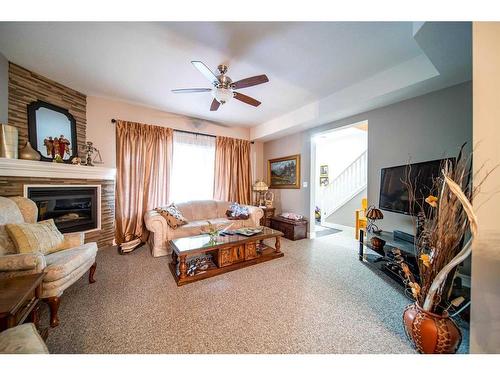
142 62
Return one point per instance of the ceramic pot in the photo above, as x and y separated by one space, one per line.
28 153
431 333
377 243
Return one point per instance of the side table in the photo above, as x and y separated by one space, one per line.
20 301
265 221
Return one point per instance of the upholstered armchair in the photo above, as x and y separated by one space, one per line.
62 268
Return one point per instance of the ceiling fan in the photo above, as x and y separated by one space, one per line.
223 90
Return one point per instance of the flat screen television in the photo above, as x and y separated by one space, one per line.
393 192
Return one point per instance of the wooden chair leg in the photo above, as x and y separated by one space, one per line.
53 303
91 273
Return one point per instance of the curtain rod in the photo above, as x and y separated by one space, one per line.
186 131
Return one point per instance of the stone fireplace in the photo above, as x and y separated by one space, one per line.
78 198
72 209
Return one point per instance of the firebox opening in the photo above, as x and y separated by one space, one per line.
73 208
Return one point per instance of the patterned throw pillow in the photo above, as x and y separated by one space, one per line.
42 236
172 215
237 212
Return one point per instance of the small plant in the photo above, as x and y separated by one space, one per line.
213 230
317 213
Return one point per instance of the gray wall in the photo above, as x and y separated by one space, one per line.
4 89
345 215
427 127
291 200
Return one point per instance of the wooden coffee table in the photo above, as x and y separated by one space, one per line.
197 257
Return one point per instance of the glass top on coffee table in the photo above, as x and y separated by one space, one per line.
204 242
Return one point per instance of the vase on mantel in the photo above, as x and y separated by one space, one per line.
8 141
28 153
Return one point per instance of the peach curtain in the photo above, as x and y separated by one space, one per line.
143 161
232 180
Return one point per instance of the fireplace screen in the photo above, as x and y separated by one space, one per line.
73 209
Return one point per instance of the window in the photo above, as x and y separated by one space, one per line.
193 167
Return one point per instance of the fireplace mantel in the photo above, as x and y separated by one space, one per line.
30 168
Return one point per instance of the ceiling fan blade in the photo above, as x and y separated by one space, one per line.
206 72
215 105
246 99
187 91
250 81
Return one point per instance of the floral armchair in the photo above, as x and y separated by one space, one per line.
62 268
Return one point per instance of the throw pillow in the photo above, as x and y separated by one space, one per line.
237 212
292 216
42 236
172 215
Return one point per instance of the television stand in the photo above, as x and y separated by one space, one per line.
383 258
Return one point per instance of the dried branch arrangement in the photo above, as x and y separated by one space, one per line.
446 226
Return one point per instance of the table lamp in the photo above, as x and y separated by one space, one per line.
372 215
260 187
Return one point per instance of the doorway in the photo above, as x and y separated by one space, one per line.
339 166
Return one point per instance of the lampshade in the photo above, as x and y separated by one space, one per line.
260 186
374 214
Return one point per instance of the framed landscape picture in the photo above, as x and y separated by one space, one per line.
284 173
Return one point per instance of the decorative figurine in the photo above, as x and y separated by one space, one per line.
55 149
57 159
49 145
89 149
76 160
63 145
57 146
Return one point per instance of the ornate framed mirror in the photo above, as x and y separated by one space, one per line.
52 131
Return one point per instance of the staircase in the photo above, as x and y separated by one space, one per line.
349 183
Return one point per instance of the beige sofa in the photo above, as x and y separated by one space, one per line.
62 268
197 213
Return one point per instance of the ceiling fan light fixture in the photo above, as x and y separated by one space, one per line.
223 86
222 95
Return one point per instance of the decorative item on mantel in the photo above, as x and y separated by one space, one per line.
28 153
76 160
372 215
448 227
52 132
89 150
58 159
8 141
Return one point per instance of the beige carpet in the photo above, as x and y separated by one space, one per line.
318 298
